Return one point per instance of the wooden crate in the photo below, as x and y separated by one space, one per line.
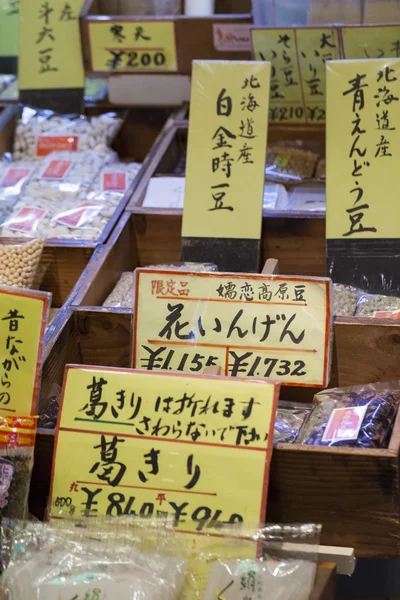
353 493
64 260
194 35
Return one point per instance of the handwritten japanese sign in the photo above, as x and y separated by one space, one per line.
249 325
226 150
163 445
130 46
362 148
23 317
9 15
371 41
50 54
298 58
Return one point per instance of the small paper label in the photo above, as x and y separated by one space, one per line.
229 37
77 217
14 176
56 143
56 169
26 220
344 424
114 181
387 314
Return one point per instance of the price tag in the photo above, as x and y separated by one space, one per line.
298 58
50 54
23 317
250 325
132 46
163 445
362 148
372 41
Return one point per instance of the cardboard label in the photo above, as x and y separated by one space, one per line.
231 37
23 317
362 148
249 325
344 424
78 217
298 57
50 54
114 181
56 143
226 150
56 169
132 46
26 220
15 176
9 15
374 41
163 445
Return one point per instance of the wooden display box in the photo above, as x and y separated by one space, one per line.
195 37
63 259
353 493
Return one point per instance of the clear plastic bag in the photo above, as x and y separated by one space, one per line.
40 132
112 183
49 414
369 305
344 300
288 422
359 416
289 163
13 179
19 263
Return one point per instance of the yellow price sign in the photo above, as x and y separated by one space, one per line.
9 15
50 55
249 325
23 318
362 148
226 150
371 41
132 45
163 445
298 57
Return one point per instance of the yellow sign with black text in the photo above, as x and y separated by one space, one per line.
23 318
249 325
226 150
372 41
9 16
50 55
362 148
132 46
163 445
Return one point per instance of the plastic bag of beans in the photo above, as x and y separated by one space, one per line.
19 263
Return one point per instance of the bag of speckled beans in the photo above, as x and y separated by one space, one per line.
360 416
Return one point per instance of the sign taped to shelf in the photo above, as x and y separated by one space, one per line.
23 318
133 46
371 41
163 445
50 55
298 56
9 16
266 326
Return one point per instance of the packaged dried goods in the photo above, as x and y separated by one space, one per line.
289 421
320 173
370 304
360 416
48 416
19 263
284 162
112 183
13 179
40 132
344 300
307 198
165 192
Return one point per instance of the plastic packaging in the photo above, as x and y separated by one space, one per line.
320 172
19 263
150 7
360 416
307 198
40 132
370 304
165 192
13 178
289 421
112 183
290 163
275 197
49 561
49 414
344 300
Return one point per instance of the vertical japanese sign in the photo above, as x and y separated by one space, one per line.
226 150
50 55
23 317
249 325
372 41
132 45
298 57
163 445
9 15
362 148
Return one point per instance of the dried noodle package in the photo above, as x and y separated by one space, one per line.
360 416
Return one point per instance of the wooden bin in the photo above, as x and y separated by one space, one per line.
64 259
353 493
196 37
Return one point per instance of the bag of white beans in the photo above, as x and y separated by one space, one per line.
19 263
